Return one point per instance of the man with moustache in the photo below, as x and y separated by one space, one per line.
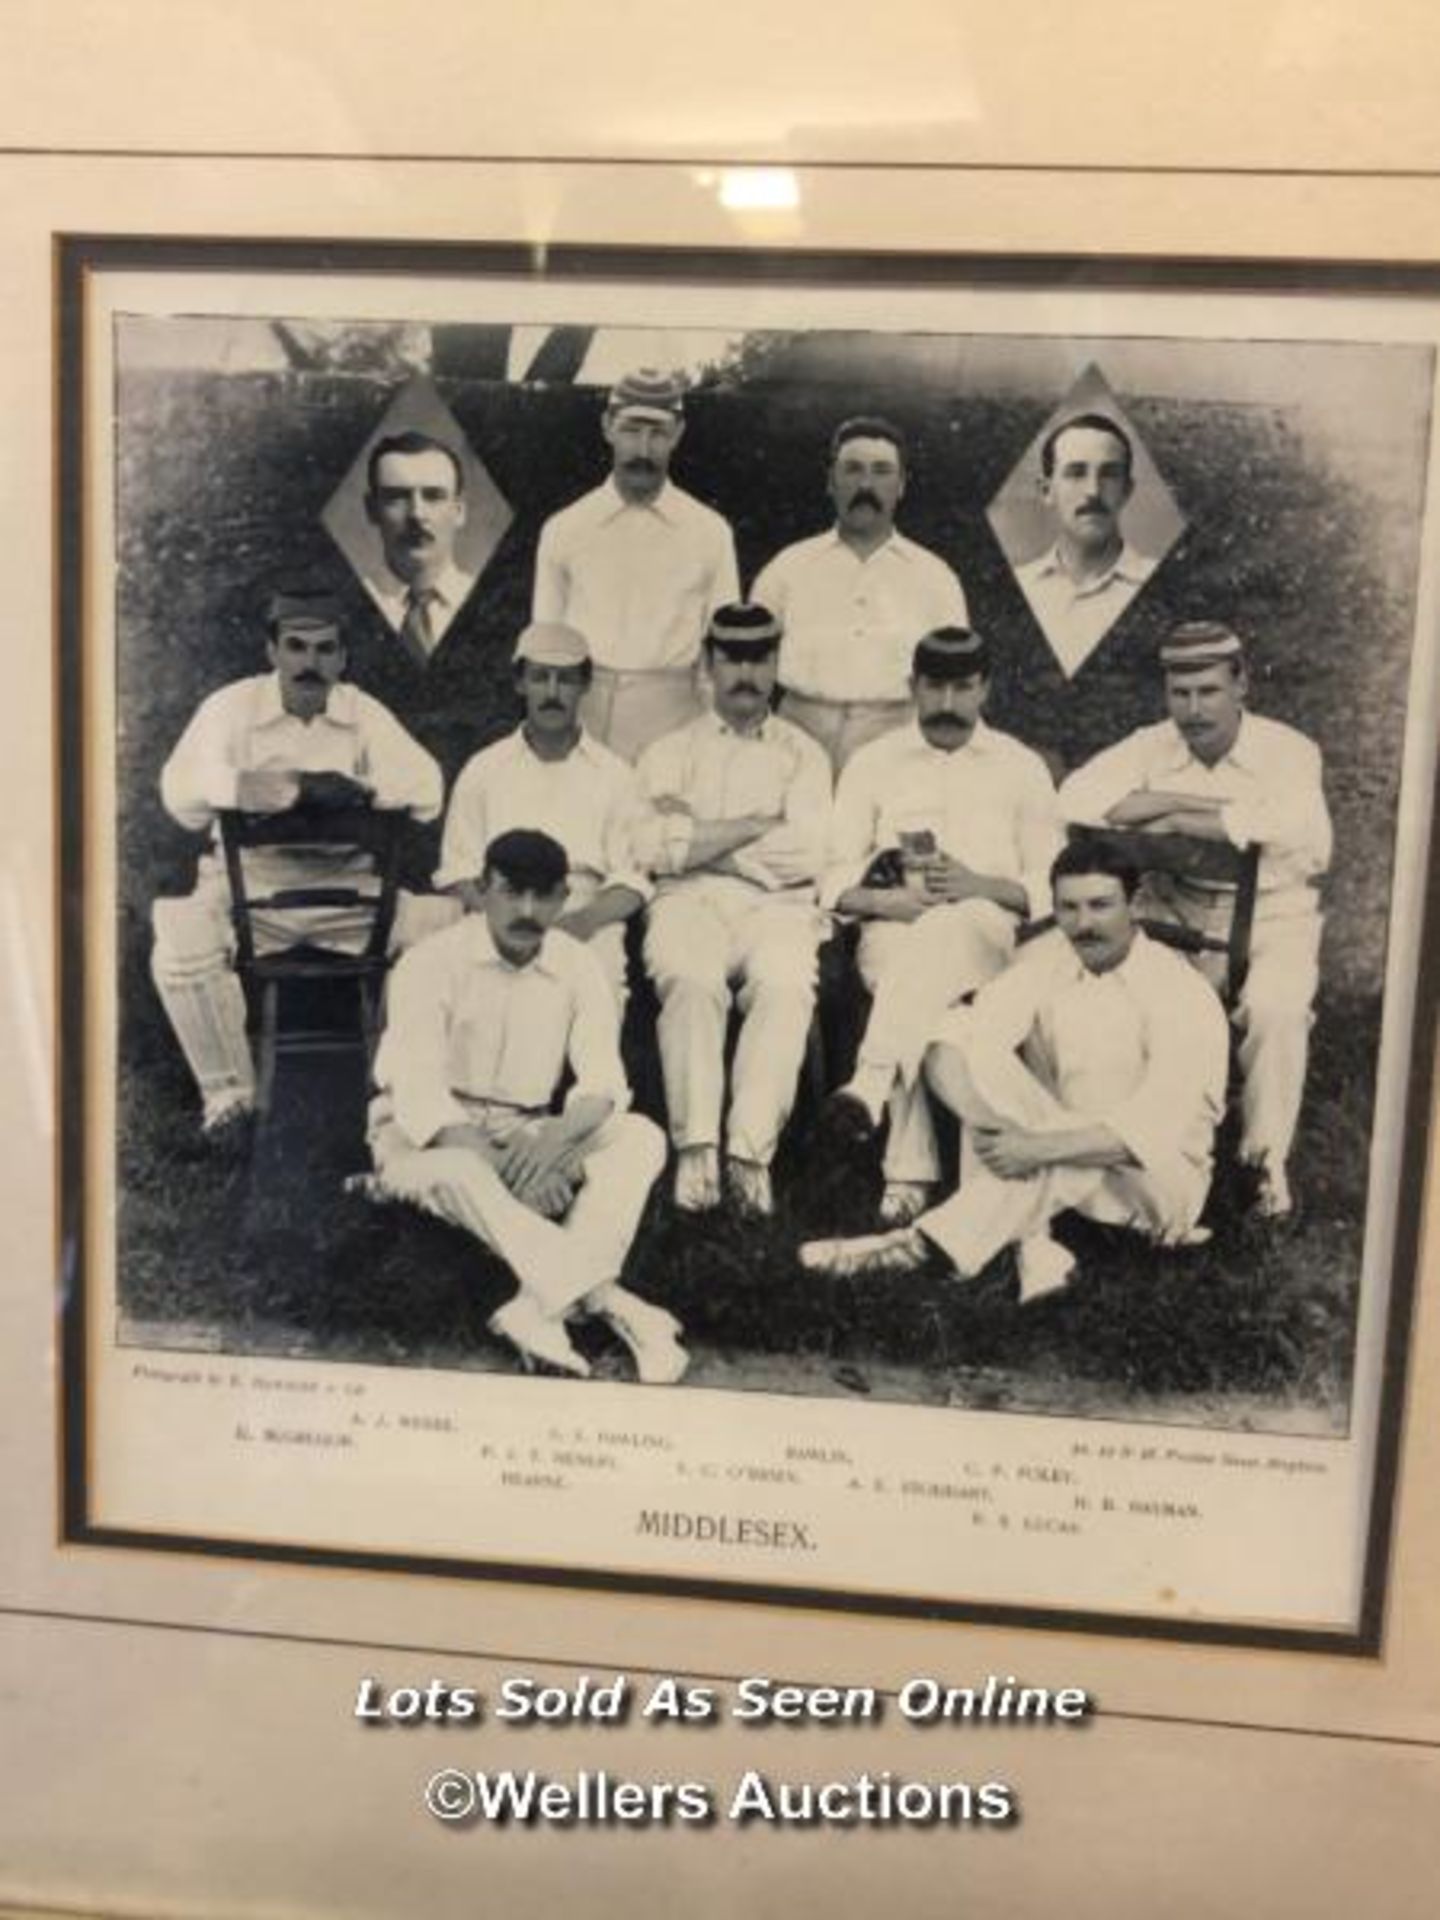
296 735
1079 587
854 600
484 1021
943 838
1217 771
415 499
638 567
551 775
742 810
1090 1075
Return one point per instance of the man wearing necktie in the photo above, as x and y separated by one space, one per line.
415 499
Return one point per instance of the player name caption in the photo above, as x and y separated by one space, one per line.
1068 1490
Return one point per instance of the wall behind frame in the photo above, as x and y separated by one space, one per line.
166 1771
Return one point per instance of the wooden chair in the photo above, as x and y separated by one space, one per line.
376 832
1210 863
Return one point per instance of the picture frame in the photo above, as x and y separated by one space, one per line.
112 1499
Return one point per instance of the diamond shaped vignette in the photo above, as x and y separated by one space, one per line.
1084 519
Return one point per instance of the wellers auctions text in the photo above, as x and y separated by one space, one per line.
755 1700
602 1799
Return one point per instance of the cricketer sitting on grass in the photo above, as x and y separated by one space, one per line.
1090 1075
483 1020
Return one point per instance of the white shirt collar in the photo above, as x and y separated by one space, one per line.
663 505
1128 566
1244 751
894 545
1133 967
720 725
340 706
583 749
981 741
484 952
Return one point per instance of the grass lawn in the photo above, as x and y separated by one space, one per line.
267 1254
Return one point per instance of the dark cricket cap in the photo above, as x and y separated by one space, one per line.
528 858
1199 643
951 653
306 607
744 630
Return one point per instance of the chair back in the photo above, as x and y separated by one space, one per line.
1208 864
371 830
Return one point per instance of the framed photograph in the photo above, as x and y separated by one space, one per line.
1192 1433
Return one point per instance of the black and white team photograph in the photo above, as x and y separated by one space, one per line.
834 863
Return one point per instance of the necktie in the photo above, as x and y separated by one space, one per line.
416 632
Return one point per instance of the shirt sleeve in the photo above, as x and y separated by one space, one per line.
625 840
1288 817
852 831
1089 793
466 834
953 609
1039 832
594 1046
725 576
1005 1010
201 774
399 769
794 852
1187 1058
552 577
412 1063
662 840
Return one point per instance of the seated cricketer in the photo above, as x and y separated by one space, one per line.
1216 770
1090 1075
741 803
296 734
943 836
551 775
483 1020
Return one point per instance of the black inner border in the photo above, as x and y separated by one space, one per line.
76 257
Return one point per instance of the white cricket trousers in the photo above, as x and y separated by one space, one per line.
701 940
627 710
555 1262
192 965
917 970
987 1213
1273 1018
